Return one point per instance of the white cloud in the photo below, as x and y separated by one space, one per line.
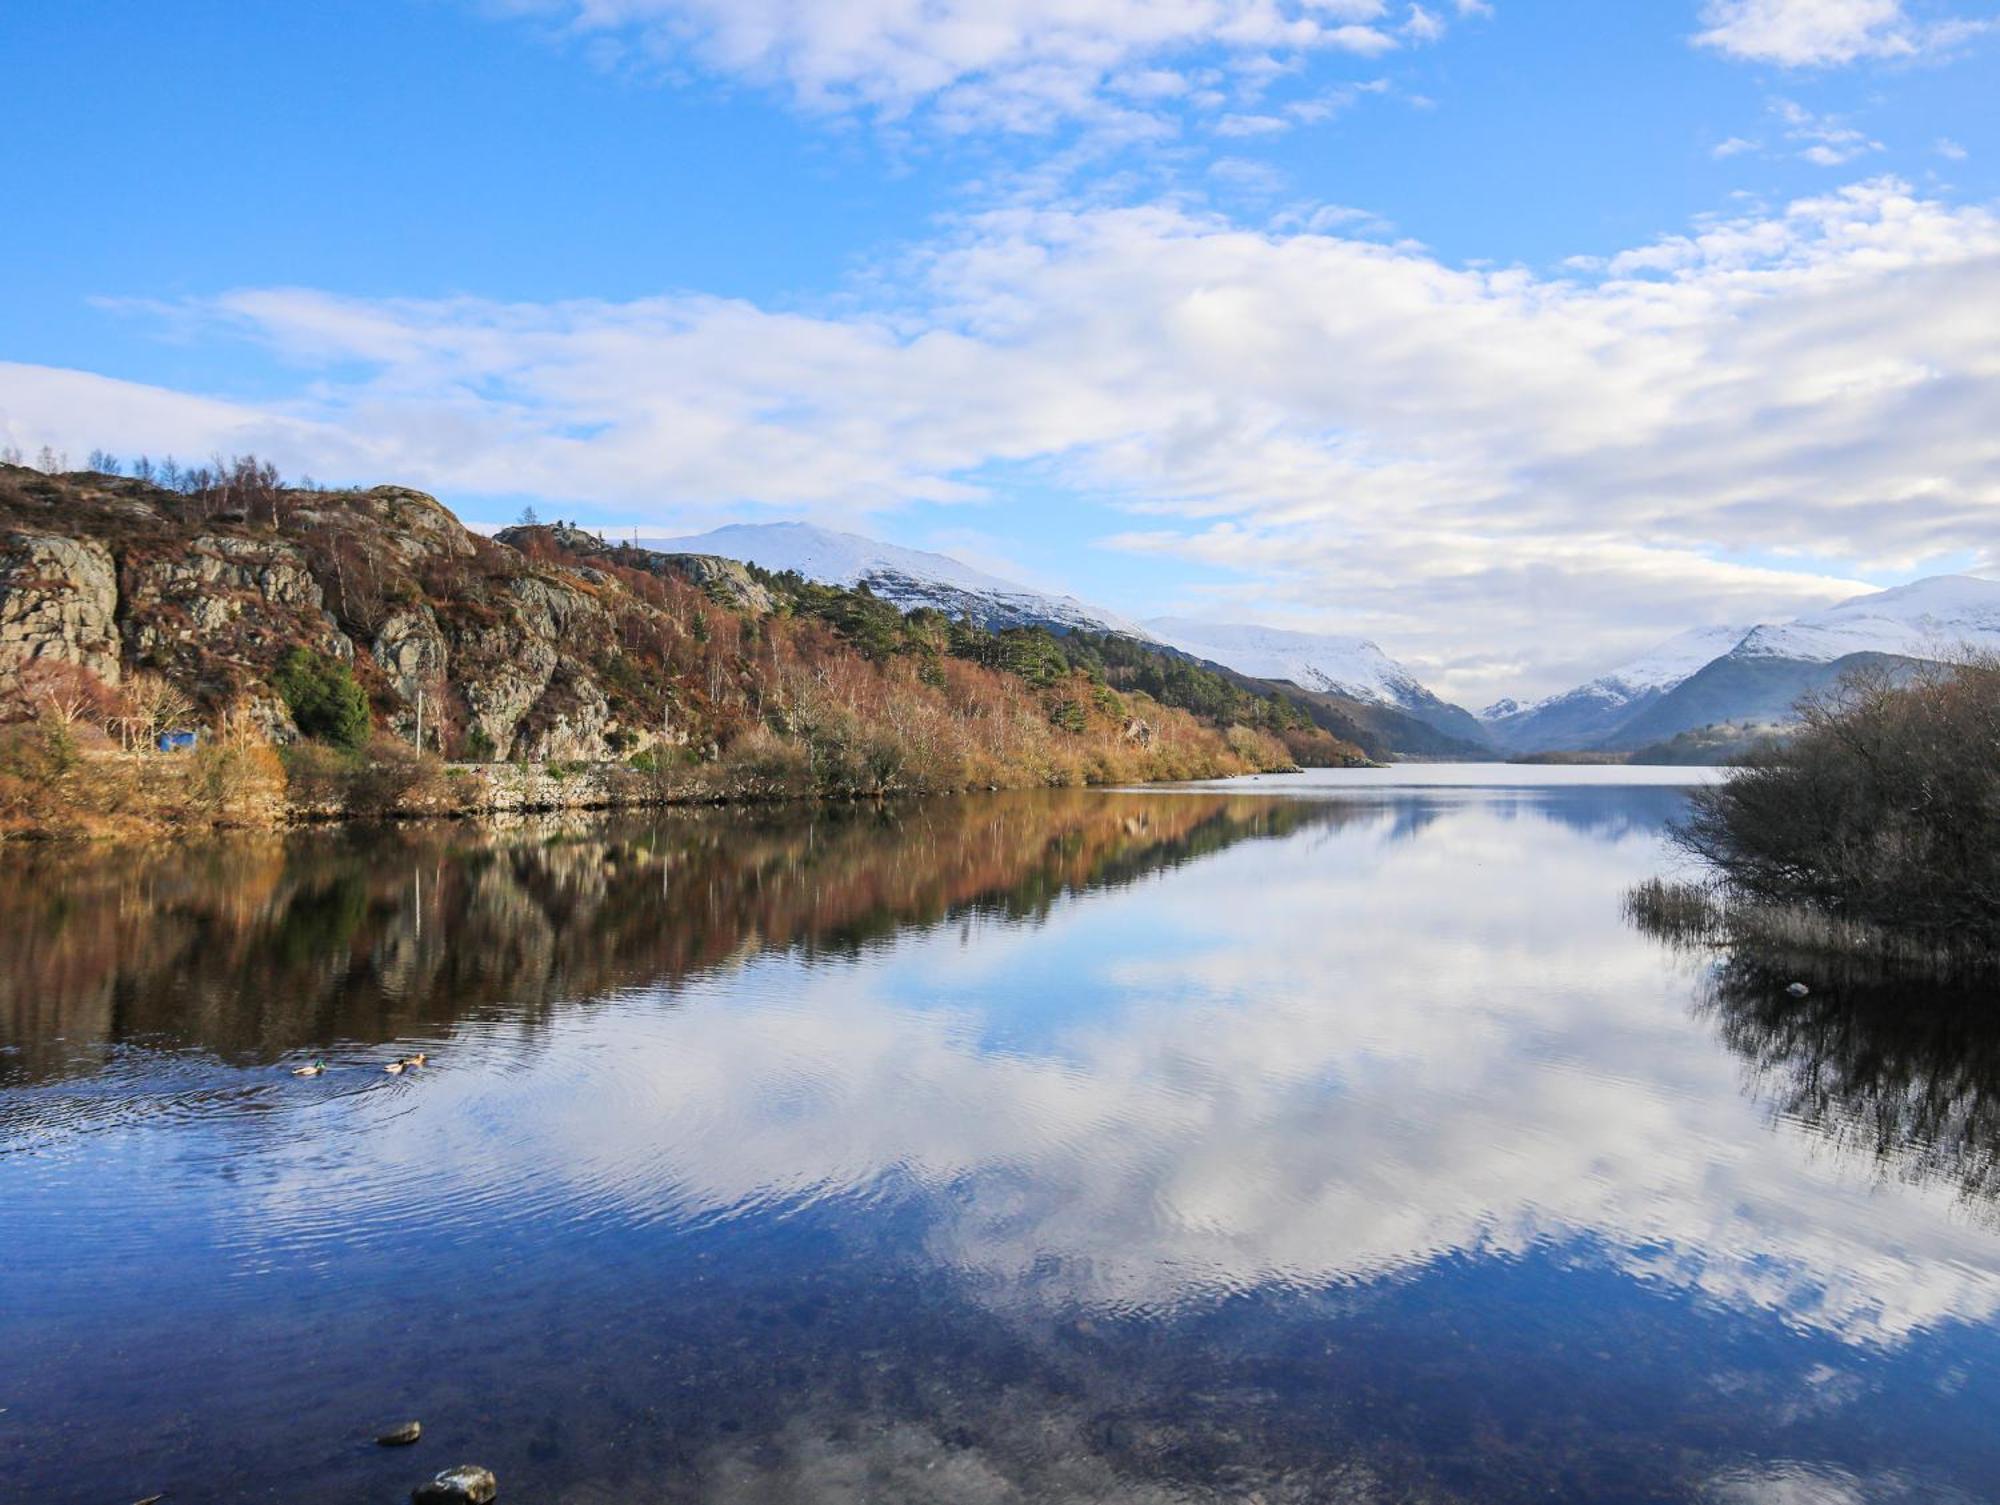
1313 109
1247 176
1949 149
1422 25
1507 479
1735 146
1823 140
1820 33
1020 65
1251 125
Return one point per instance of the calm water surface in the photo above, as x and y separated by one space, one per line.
1311 1139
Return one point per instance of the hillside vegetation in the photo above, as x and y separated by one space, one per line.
335 648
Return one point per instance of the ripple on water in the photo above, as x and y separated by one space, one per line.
128 1087
545 1134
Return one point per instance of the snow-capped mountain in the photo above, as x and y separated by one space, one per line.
1668 664
908 577
1928 619
1724 675
1586 714
1353 667
1348 667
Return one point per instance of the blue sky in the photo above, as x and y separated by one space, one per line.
1515 335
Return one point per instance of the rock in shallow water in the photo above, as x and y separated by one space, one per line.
403 1436
468 1484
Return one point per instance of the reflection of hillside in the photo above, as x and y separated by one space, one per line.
254 946
1903 1074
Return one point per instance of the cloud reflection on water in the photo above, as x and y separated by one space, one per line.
1333 1057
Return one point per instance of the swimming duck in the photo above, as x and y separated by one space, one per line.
393 1067
418 1059
312 1070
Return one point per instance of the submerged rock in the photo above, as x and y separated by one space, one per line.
403 1436
1798 990
468 1484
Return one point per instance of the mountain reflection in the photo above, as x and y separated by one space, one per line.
252 947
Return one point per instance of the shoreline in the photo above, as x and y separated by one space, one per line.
481 791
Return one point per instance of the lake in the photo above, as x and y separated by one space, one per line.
1316 1138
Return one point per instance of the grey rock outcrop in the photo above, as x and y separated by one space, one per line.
58 602
723 578
252 592
411 650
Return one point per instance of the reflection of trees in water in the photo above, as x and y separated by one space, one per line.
256 945
1898 1071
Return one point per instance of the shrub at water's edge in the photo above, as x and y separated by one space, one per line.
1875 828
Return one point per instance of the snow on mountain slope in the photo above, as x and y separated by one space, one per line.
830 557
1353 667
1927 619
1716 675
1672 661
1587 714
908 577
1659 669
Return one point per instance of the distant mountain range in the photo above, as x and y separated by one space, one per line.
1751 677
1735 676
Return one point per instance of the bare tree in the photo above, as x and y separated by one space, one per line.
104 463
155 705
65 695
254 486
10 454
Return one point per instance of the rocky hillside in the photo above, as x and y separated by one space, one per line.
545 646
116 575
